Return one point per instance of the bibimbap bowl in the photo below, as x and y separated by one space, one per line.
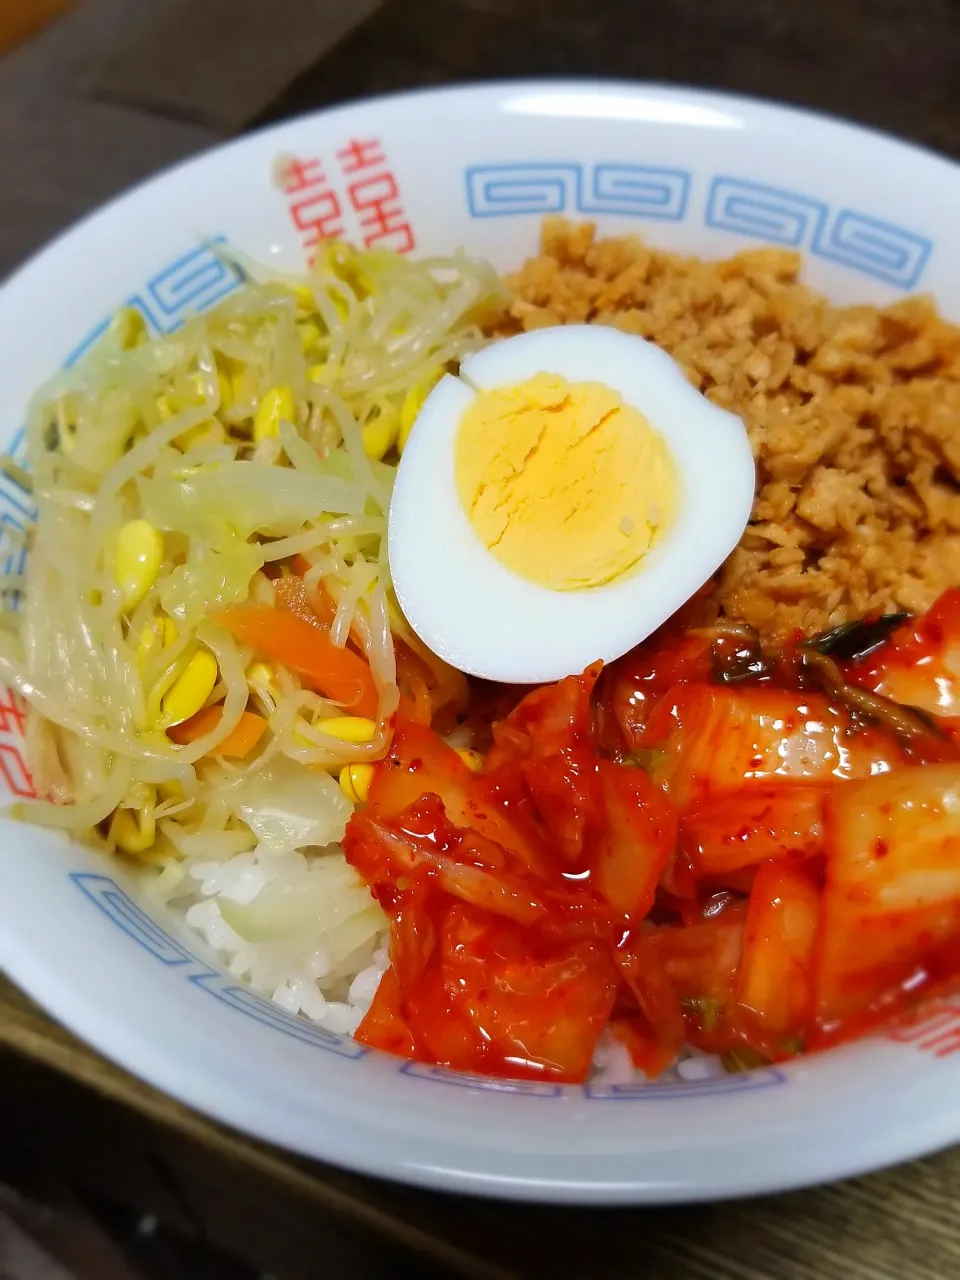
479 168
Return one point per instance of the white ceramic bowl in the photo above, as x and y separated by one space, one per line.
477 167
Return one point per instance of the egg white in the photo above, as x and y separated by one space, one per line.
487 620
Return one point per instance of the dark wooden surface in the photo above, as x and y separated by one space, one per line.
890 63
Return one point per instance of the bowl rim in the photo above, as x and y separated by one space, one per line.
494 88
89 1018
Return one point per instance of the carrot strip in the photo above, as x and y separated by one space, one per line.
240 742
414 690
290 594
316 607
283 636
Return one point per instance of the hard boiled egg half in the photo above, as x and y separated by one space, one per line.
559 499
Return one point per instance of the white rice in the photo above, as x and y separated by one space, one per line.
298 971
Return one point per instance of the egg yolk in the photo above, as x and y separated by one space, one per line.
563 482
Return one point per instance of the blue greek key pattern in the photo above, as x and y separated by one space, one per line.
890 253
196 281
121 910
268 1014
740 1082
636 190
17 511
495 190
461 1080
767 213
880 249
84 345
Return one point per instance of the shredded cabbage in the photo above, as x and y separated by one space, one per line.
317 896
169 431
288 806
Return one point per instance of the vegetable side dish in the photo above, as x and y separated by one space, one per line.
693 849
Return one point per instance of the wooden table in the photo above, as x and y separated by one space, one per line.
892 64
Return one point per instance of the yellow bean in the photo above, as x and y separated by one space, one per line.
412 404
275 404
324 374
349 728
472 759
162 631
165 407
169 402
355 780
260 675
202 433
135 830
139 556
306 302
379 435
310 334
129 327
188 693
244 382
